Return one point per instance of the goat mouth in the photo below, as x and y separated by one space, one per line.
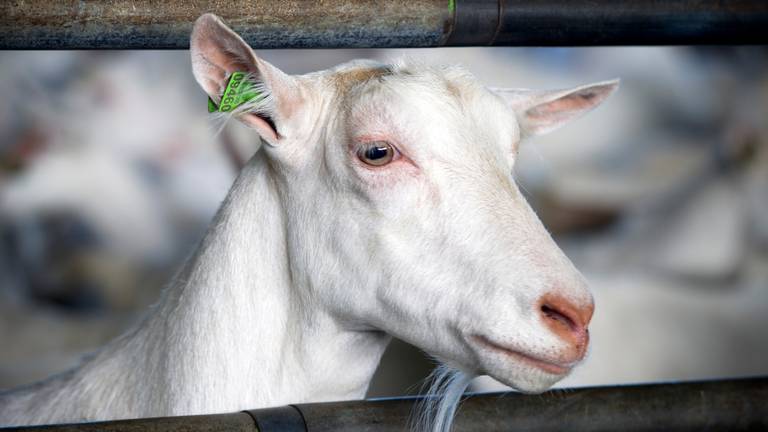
554 368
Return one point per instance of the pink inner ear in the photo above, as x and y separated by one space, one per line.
565 106
265 127
223 48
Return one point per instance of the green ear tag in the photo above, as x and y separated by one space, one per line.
239 91
212 106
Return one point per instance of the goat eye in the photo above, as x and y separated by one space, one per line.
376 153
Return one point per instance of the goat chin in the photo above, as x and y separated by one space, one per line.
436 412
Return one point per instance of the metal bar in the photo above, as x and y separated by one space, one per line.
233 422
733 405
139 24
657 22
136 24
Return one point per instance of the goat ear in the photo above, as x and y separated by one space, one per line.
540 112
217 52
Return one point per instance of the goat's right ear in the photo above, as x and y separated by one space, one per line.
217 52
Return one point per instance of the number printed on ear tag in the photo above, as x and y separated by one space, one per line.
239 91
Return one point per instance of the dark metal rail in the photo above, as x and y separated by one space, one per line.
730 405
139 24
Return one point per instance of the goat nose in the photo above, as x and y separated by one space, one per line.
566 319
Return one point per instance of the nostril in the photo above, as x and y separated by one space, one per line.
554 314
567 319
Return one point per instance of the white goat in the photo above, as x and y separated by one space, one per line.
382 204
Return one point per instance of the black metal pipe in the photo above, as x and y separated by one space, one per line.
732 405
658 22
138 24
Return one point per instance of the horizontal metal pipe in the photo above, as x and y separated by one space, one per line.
733 405
138 24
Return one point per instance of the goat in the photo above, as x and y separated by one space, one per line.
380 204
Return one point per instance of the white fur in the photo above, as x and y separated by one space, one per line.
436 411
315 259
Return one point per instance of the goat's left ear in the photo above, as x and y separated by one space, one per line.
539 112
217 52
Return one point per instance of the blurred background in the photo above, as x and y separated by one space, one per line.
110 170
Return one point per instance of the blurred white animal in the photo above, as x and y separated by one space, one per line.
382 204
